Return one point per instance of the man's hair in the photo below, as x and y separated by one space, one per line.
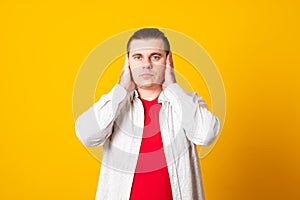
149 33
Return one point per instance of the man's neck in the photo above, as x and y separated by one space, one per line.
149 93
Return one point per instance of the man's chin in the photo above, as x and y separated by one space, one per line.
149 85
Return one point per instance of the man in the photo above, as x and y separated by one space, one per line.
148 127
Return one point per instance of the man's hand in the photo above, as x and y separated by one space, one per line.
125 77
169 73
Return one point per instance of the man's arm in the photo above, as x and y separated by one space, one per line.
200 125
95 125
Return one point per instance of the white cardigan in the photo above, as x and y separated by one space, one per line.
116 122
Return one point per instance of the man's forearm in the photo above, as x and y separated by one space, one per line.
200 125
95 125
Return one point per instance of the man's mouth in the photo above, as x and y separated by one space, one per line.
146 75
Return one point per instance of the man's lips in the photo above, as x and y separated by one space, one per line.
145 75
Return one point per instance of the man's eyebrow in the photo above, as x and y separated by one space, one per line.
156 53
136 54
140 54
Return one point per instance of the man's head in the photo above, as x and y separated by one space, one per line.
147 52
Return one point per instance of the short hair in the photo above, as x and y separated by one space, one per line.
149 33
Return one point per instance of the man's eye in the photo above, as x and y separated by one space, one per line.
137 57
155 57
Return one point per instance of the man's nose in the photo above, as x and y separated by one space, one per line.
147 64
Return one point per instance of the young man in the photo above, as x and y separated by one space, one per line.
148 127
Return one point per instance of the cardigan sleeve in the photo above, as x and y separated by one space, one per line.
95 125
200 125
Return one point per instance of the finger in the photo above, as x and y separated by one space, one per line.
127 59
126 63
170 60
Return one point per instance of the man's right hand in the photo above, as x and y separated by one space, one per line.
126 78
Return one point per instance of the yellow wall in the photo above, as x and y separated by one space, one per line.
255 45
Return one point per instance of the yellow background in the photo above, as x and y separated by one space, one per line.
255 45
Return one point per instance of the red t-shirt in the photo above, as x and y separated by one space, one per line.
151 178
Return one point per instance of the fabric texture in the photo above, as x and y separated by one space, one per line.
116 122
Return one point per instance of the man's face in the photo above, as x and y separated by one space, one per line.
147 61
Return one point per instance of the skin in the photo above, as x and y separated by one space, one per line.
147 68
